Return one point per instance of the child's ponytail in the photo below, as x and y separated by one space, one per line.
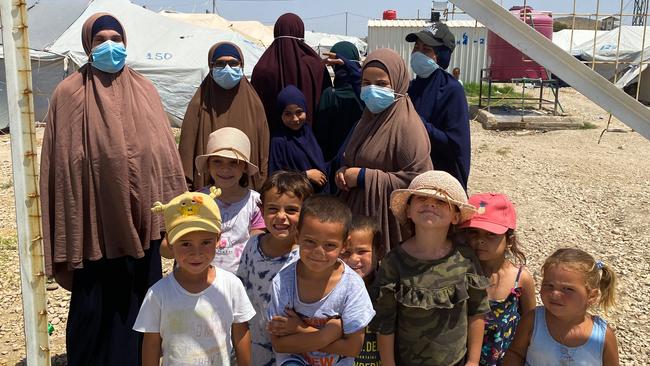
607 286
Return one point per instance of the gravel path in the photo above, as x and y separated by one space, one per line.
569 191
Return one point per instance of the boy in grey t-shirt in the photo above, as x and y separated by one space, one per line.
282 195
319 306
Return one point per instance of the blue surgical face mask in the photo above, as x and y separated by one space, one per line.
423 65
377 98
227 77
109 57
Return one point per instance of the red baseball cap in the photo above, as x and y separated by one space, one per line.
495 213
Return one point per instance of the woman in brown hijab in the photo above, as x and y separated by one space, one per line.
224 99
387 148
108 154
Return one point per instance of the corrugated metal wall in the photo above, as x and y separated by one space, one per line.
471 43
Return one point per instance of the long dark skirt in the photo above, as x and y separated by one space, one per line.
106 297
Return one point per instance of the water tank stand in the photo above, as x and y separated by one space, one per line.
538 101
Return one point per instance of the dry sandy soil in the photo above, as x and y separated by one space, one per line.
569 191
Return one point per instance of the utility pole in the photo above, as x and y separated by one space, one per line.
214 6
20 103
640 12
346 23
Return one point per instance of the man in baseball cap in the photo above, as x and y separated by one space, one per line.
440 100
438 34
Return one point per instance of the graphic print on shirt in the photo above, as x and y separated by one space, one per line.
204 326
369 355
319 358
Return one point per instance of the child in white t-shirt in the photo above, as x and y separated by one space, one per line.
227 161
319 306
264 256
196 314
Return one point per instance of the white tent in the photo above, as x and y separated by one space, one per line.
608 48
252 30
623 58
322 42
255 30
263 34
564 41
171 53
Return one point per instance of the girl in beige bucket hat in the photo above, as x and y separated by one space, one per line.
430 288
227 161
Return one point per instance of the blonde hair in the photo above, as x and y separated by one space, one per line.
598 275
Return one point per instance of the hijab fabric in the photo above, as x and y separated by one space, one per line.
289 61
213 107
440 101
294 150
108 154
340 106
392 146
350 72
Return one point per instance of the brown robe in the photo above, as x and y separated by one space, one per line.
213 107
392 145
108 154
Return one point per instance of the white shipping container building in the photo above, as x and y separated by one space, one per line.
469 54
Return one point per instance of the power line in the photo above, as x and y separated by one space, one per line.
324 16
360 15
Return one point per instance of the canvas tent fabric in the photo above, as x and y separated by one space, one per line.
564 41
323 42
608 48
171 53
253 30
630 51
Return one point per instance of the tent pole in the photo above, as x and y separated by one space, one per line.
20 104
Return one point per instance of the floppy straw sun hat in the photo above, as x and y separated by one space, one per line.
434 183
227 142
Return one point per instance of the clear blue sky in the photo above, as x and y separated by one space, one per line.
329 16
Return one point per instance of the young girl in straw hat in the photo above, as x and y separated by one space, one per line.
227 161
432 297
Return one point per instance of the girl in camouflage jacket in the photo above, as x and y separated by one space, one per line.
432 297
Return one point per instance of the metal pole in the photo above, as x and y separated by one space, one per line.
600 90
20 104
346 23
593 51
214 6
645 28
573 27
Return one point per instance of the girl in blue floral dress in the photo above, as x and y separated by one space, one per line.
491 233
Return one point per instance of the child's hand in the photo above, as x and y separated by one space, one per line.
339 179
332 59
282 326
277 326
316 176
294 321
336 322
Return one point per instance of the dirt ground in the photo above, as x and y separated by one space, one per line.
569 191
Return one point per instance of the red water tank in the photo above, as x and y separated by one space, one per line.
506 62
390 14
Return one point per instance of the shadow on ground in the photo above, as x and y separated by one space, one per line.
57 360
